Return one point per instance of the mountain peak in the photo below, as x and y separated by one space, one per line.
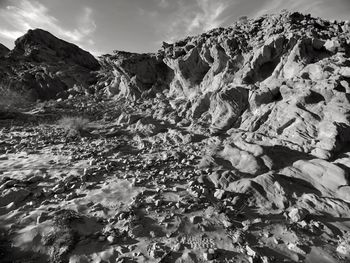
42 46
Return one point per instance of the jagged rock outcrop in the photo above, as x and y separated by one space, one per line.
132 75
285 76
43 66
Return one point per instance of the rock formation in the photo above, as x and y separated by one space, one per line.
44 67
230 146
283 76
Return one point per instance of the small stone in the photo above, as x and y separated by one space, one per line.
345 72
196 219
266 234
111 239
297 214
332 45
257 220
227 223
303 224
219 194
122 249
246 224
156 251
295 248
277 241
207 256
177 247
250 251
71 196
343 249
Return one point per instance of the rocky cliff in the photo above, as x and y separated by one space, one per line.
284 77
44 67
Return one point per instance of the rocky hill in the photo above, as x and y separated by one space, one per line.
3 50
229 146
43 67
283 76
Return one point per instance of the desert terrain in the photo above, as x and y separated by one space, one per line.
229 146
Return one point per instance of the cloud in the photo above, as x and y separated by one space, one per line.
10 34
208 16
163 3
336 9
195 18
277 5
32 14
86 24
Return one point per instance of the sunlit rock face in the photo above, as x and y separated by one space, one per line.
285 76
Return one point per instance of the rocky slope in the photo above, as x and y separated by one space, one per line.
43 67
283 76
230 146
3 50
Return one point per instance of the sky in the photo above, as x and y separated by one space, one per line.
101 26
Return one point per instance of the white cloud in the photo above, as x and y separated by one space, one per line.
10 34
32 14
194 19
304 6
208 16
86 24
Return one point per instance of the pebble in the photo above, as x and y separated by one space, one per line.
297 214
250 251
111 239
219 194
295 248
196 219
210 254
